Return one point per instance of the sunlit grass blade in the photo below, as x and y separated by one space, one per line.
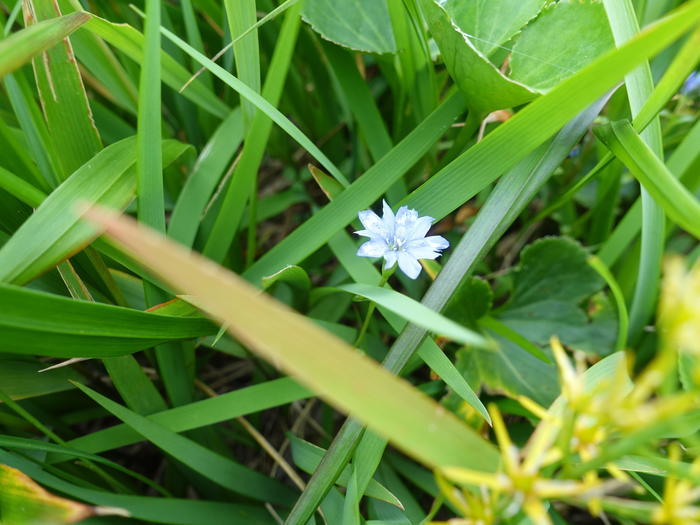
683 164
530 127
673 78
486 161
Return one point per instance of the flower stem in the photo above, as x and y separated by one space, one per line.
386 273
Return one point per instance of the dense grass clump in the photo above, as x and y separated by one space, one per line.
351 261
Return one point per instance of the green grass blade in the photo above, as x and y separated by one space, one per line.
21 189
485 161
683 164
362 271
50 235
639 84
16 443
149 167
360 101
132 43
63 98
243 186
203 179
263 105
415 312
20 379
198 414
307 456
215 467
32 124
136 389
512 193
241 18
683 64
622 315
678 203
82 329
19 48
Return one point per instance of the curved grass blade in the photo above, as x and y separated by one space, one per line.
13 442
413 311
530 127
640 85
51 235
683 64
28 319
678 203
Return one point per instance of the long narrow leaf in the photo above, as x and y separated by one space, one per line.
16 50
428 432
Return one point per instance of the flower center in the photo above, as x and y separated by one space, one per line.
395 243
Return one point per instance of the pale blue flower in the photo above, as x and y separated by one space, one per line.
399 238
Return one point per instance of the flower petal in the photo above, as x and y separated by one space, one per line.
420 249
372 222
406 217
365 233
389 259
387 218
373 248
420 227
437 242
405 223
409 265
